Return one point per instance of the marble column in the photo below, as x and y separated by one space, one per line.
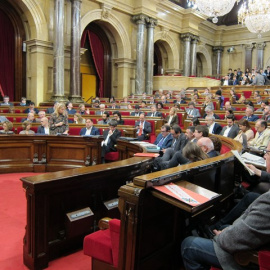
150 56
140 20
58 47
194 43
260 53
248 56
218 51
75 76
186 37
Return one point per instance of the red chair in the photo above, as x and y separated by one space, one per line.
112 156
103 245
264 259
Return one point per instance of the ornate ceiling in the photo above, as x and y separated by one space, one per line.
228 19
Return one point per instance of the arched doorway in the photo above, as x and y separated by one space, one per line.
12 55
199 68
98 58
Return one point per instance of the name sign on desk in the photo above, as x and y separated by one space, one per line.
182 194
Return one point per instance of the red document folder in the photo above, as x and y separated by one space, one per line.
146 155
182 194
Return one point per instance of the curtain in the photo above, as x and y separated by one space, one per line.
7 55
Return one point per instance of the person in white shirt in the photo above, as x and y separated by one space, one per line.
44 128
231 130
214 128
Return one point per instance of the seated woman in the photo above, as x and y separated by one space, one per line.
242 99
27 128
82 110
7 128
244 129
78 119
208 103
228 112
172 118
159 106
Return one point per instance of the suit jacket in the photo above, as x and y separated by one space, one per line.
40 130
217 128
146 129
258 80
248 232
195 112
9 104
215 115
212 153
180 142
133 113
25 119
94 131
50 110
181 102
28 110
113 139
72 111
174 120
252 118
233 132
99 113
260 140
116 107
167 142
3 119
157 114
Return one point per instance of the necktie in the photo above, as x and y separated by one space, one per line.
140 130
161 142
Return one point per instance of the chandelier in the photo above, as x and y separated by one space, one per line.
213 8
255 14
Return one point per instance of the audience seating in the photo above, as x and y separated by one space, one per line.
103 245
112 156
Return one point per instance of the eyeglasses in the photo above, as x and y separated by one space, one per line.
264 150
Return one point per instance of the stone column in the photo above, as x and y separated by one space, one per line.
140 21
260 53
218 51
58 46
186 37
150 56
248 56
194 43
75 79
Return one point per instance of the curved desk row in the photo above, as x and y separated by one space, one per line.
53 198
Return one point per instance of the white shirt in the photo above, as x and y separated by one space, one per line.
226 82
88 131
47 130
226 132
211 128
170 119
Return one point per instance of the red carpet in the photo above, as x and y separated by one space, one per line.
12 220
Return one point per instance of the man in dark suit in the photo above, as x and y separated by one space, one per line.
44 128
89 129
110 139
105 119
102 109
179 100
143 128
154 112
164 139
231 130
30 118
214 128
178 143
249 114
70 109
114 106
191 111
31 108
207 146
6 101
137 111
51 110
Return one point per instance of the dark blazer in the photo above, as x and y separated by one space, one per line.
94 131
174 121
40 130
215 115
120 122
116 107
167 142
9 104
233 132
212 153
50 110
181 102
25 119
147 129
180 142
194 112
72 111
133 113
113 139
157 114
28 110
252 118
217 128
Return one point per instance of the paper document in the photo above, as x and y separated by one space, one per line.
253 159
236 154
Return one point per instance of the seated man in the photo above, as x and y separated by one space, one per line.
250 231
214 128
101 109
89 128
113 105
231 130
118 117
41 114
51 110
164 139
143 128
105 119
110 139
6 101
44 128
262 136
249 114
207 146
200 131
70 109
154 112
191 111
179 100
266 113
210 112
31 108
228 106
137 111
23 101
30 118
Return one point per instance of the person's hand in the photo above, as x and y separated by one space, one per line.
60 124
217 232
87 111
163 150
110 132
254 169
